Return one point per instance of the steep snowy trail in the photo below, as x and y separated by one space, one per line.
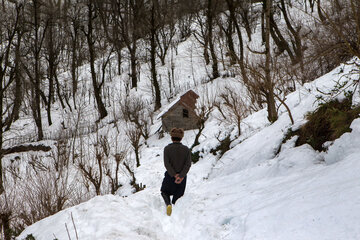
320 203
253 192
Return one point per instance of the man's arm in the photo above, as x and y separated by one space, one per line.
168 166
187 165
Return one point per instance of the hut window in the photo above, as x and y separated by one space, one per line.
185 113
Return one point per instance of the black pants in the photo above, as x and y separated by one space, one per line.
170 188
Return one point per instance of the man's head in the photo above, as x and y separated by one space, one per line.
176 134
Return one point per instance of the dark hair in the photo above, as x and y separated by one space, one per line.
176 139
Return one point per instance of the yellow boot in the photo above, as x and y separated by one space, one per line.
168 210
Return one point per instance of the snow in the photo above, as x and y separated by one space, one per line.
260 189
347 145
168 108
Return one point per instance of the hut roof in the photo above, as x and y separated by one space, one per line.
180 100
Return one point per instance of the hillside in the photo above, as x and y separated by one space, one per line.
83 86
253 192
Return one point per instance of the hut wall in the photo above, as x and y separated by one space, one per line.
174 118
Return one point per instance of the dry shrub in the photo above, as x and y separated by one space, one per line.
232 107
327 123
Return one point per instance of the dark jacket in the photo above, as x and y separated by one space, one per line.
177 159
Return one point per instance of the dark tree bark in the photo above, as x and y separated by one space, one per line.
295 35
38 44
7 77
18 81
73 21
211 6
131 20
136 22
293 49
5 220
92 57
240 58
166 15
270 97
52 55
312 3
244 13
228 31
133 63
320 11
202 37
153 31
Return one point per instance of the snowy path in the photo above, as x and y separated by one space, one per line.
252 193
321 203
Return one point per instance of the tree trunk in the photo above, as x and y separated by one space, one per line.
270 97
18 84
321 15
52 72
210 16
136 150
37 77
241 59
91 42
245 17
59 94
133 66
119 59
135 28
153 59
74 59
230 42
2 189
206 53
5 220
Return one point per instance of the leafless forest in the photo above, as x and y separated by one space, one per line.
41 39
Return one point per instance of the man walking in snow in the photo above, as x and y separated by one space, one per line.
177 161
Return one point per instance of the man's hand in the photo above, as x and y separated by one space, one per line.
178 179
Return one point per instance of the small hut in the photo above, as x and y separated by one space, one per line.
181 113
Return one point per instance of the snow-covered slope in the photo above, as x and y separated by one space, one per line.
255 191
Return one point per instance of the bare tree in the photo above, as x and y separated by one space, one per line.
232 107
93 169
136 186
154 25
341 30
269 84
130 15
205 32
212 5
109 12
113 174
227 27
8 34
17 90
134 110
91 41
184 26
76 41
134 135
241 56
201 34
54 45
7 207
260 80
205 107
35 35
166 14
45 191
